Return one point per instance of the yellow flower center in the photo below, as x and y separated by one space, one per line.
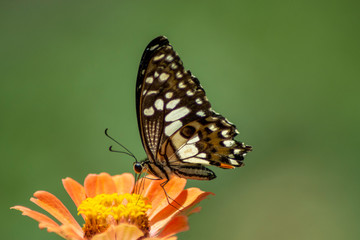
106 209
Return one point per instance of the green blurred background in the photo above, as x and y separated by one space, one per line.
285 72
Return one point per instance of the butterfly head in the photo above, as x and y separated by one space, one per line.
138 167
143 167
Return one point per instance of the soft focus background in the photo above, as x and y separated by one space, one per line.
285 72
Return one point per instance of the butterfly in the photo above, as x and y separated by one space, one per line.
180 132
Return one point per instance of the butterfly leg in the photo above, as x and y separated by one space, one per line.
166 194
168 197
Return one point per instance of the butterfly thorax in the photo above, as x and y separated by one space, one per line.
154 168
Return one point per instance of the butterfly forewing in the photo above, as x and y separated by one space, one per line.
165 94
179 130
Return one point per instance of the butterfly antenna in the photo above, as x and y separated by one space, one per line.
127 151
112 150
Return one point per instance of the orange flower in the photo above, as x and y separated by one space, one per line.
111 211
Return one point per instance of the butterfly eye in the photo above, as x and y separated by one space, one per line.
138 167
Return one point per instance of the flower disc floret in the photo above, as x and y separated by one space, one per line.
105 209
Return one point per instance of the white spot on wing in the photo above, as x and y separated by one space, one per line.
164 76
212 119
187 151
152 92
149 111
193 140
169 58
181 84
169 95
177 114
237 151
233 162
201 155
190 93
228 143
173 127
200 113
179 74
159 104
173 66
172 103
197 160
153 47
225 133
198 101
159 57
213 127
149 80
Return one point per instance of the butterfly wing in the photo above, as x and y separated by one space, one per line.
179 130
164 95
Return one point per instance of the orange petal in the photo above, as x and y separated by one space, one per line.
70 233
195 210
44 221
188 199
64 231
75 190
157 196
97 184
176 225
123 231
124 183
54 206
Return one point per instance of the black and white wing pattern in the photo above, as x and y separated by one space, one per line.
180 132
